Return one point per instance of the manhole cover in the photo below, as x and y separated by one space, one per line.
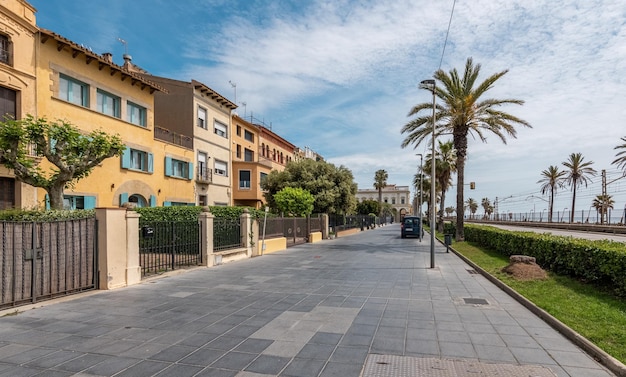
475 301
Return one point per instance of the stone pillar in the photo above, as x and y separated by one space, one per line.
206 237
133 269
246 231
325 223
256 236
114 265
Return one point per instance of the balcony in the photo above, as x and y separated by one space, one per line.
204 175
172 137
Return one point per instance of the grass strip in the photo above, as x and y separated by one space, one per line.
597 315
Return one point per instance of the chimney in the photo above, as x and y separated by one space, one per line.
127 62
108 57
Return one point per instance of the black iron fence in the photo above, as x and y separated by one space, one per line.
168 245
295 229
342 222
43 260
227 234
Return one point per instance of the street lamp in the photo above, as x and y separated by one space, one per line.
563 214
541 215
421 173
432 86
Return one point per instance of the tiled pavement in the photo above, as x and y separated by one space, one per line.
364 304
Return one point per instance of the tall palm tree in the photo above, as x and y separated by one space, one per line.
461 111
380 181
602 204
472 205
620 161
552 178
579 173
486 203
445 165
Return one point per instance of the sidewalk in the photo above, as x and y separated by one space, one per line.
364 305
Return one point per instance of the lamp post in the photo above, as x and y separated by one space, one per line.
563 214
431 85
421 178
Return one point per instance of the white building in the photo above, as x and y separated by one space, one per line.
397 196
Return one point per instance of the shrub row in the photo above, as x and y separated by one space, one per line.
190 213
35 215
598 262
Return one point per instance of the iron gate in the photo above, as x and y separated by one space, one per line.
167 245
43 260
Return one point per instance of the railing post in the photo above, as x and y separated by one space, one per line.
206 237
246 232
324 225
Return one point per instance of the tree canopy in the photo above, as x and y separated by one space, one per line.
294 201
332 187
72 155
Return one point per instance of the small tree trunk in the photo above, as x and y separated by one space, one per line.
55 193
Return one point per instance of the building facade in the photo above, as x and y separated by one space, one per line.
397 196
194 110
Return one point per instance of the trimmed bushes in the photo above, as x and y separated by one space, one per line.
598 262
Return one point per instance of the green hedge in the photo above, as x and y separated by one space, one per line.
190 213
598 262
19 215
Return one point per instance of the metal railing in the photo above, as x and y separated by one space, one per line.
168 245
227 234
43 260
204 174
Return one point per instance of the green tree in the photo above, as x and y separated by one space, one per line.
602 204
294 201
461 111
552 179
332 187
620 161
472 205
367 207
380 181
579 173
72 154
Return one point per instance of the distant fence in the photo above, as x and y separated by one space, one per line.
341 222
227 234
295 229
168 245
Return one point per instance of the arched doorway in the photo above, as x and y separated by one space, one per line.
138 200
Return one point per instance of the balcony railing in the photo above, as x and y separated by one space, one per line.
173 137
204 175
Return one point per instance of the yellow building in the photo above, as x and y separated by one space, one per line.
46 75
194 109
248 168
18 32
275 149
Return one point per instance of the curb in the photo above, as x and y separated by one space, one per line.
591 349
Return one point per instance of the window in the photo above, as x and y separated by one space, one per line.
244 179
136 114
238 151
402 200
220 129
248 155
79 202
73 91
7 193
202 200
248 136
221 168
203 172
393 200
8 99
108 104
262 177
263 149
135 159
202 117
239 131
5 49
178 169
386 200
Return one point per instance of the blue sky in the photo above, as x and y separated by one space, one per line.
340 76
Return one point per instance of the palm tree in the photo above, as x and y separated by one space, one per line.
602 204
380 181
620 161
450 210
460 111
445 165
578 174
486 203
552 179
472 205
